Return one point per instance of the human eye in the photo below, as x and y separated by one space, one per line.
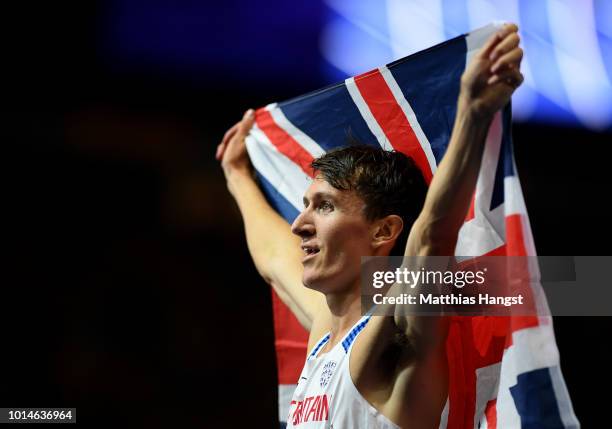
325 206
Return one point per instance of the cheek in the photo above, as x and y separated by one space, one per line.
349 242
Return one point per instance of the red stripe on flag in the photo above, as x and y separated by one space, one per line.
391 118
490 336
283 141
472 343
475 342
498 251
291 342
514 236
470 214
491 414
462 374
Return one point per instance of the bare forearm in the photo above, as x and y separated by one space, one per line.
435 232
268 235
274 249
453 185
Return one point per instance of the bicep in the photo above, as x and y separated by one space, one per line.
426 250
428 238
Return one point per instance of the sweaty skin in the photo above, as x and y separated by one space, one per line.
397 363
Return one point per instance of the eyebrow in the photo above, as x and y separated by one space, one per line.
318 196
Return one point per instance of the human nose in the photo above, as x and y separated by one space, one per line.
302 226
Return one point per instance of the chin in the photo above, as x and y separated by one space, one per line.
310 283
314 282
323 283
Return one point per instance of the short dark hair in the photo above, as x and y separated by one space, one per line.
388 182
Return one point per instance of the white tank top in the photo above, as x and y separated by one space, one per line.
326 397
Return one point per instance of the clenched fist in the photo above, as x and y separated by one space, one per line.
493 74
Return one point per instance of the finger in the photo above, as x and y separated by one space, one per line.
230 133
226 138
510 27
495 39
219 152
509 42
511 77
246 123
489 46
507 75
510 59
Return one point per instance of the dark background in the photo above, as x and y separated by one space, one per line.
128 292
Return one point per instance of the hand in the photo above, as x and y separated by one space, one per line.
493 74
232 152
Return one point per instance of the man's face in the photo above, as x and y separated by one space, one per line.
335 234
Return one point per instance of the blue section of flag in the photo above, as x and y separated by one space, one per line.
505 165
280 204
535 400
507 148
329 117
430 82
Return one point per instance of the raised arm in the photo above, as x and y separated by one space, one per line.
486 86
275 250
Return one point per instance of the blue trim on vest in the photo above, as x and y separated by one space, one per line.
318 346
353 334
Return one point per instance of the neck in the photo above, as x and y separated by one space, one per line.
345 311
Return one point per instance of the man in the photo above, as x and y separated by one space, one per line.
371 371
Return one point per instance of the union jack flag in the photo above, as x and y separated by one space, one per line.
504 371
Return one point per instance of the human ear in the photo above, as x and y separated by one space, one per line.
386 230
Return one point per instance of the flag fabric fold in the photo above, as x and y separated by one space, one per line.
504 371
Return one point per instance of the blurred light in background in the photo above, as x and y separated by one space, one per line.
567 43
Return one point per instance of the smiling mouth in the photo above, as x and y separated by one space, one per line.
310 251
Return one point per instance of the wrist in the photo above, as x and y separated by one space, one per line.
235 176
470 111
231 169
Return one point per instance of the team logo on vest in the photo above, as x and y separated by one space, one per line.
328 371
311 409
